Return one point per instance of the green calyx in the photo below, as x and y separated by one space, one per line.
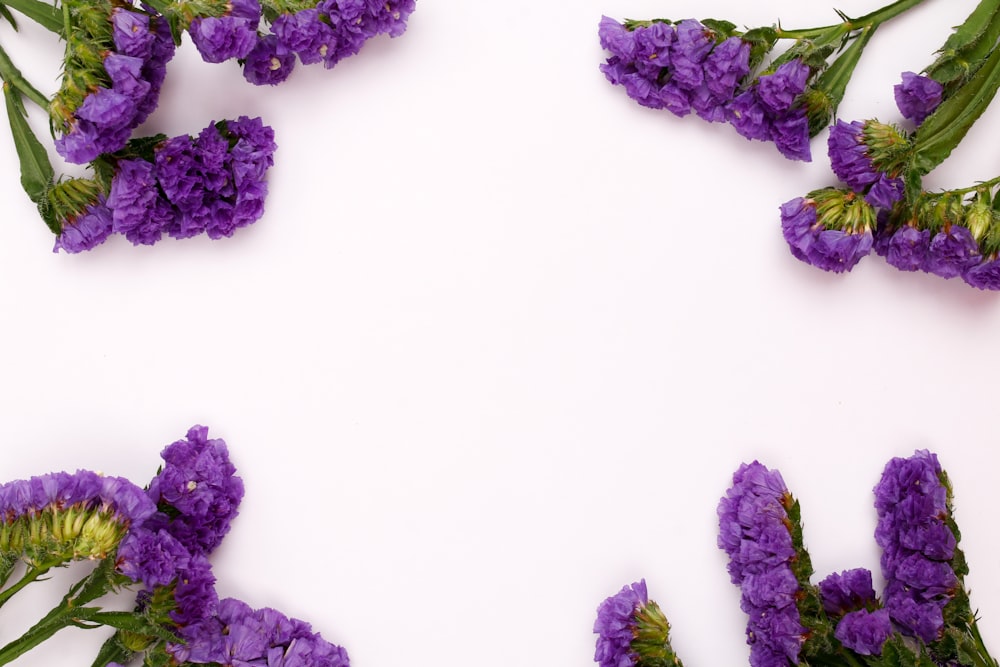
651 641
62 535
846 211
89 38
887 146
69 199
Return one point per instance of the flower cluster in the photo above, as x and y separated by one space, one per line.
69 515
917 545
213 184
96 109
159 538
923 618
689 66
950 234
114 68
754 532
327 33
632 631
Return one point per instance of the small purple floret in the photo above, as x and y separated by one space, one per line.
864 632
847 591
952 252
86 231
985 276
616 624
917 96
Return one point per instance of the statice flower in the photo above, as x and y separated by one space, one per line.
984 276
232 35
632 630
683 67
213 184
100 118
64 516
847 591
754 532
859 159
239 635
917 545
198 490
907 248
151 557
830 229
864 631
264 65
86 231
768 110
952 251
917 96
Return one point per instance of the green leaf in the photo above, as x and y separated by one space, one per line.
724 28
132 621
965 49
942 131
36 169
40 12
7 16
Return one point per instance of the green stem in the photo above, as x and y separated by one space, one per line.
41 12
70 611
31 575
12 75
874 18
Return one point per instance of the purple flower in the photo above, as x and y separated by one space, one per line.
754 532
726 66
239 635
194 592
851 161
616 626
912 502
838 251
777 91
907 248
767 111
219 38
848 591
984 276
863 631
265 66
104 120
952 252
798 225
199 489
86 231
305 34
151 557
917 96
652 49
616 39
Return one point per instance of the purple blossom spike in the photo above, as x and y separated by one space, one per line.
917 96
753 531
911 502
133 74
777 91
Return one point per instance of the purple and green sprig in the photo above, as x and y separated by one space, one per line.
114 65
723 74
951 234
923 617
153 545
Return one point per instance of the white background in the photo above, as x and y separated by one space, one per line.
500 341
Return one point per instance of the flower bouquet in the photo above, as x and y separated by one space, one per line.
923 617
724 74
153 545
114 65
